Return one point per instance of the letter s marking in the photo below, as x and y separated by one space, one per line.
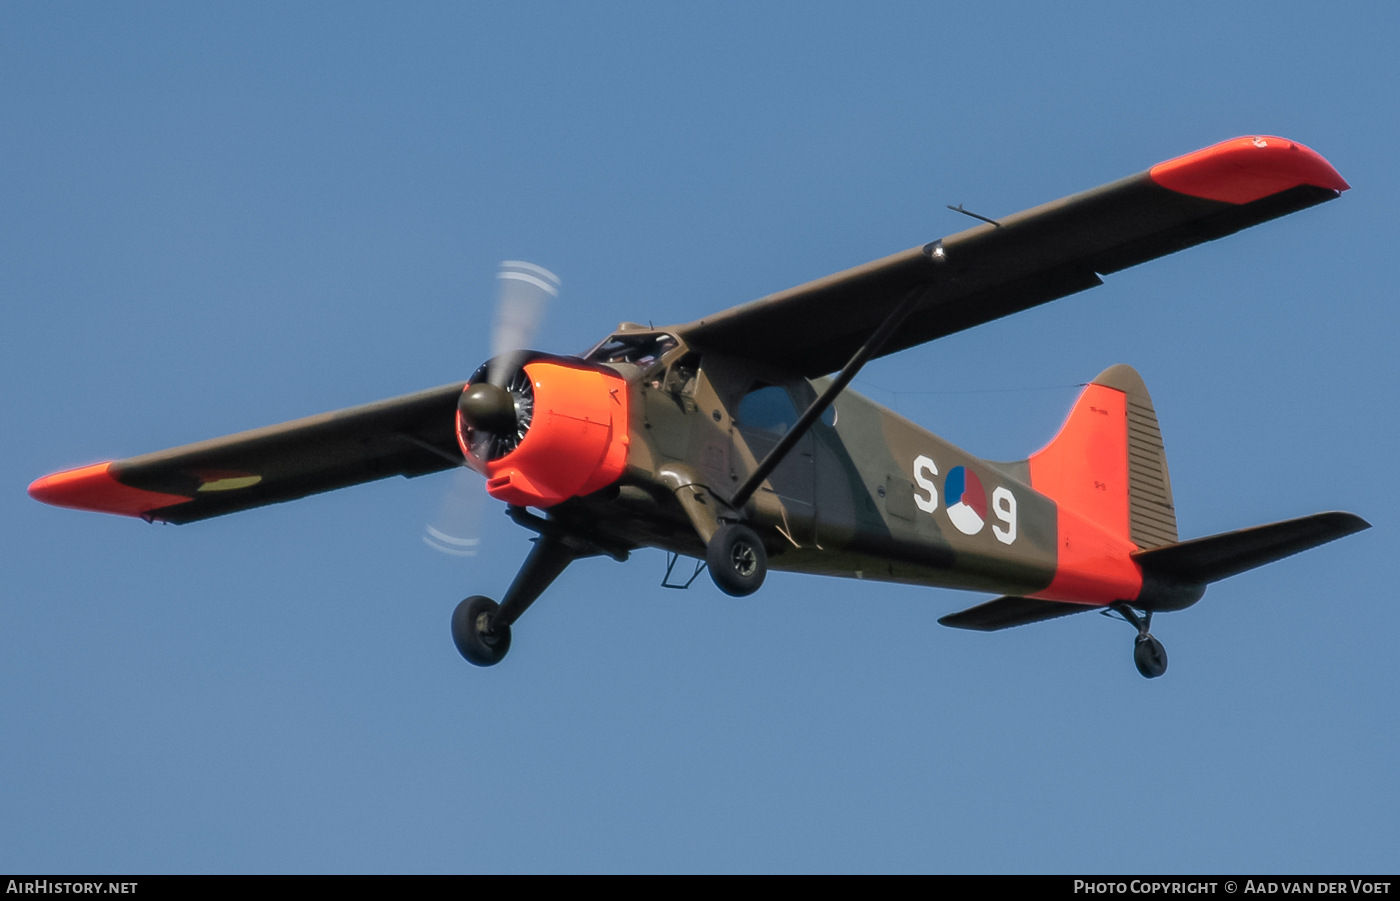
930 503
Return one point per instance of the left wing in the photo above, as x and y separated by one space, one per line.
1026 259
410 436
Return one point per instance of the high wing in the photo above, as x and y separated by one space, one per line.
963 280
1026 259
410 435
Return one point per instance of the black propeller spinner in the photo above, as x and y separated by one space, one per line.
496 418
488 408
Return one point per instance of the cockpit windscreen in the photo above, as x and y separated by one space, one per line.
639 350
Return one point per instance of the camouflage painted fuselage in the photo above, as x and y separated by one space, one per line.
864 495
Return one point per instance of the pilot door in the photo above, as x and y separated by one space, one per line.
762 418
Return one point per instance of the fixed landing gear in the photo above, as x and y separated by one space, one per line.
481 628
473 634
737 561
1149 656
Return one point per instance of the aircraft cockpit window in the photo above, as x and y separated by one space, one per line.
767 409
639 350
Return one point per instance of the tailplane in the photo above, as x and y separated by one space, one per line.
1176 575
1201 561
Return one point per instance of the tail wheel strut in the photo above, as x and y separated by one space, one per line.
1149 656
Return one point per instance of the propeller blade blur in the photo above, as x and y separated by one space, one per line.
456 529
524 290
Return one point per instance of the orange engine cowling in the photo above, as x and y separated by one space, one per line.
576 442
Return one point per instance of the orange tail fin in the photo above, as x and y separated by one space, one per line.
1106 471
1108 464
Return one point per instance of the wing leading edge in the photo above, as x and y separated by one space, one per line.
409 436
1026 259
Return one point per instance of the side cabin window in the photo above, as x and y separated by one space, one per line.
767 409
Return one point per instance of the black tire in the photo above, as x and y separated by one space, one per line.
469 622
1149 656
738 563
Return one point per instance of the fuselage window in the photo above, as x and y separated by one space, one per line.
767 409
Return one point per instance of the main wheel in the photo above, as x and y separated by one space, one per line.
469 632
738 563
1150 656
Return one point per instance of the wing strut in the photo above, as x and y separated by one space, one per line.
843 378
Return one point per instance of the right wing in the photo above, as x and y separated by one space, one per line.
1025 259
409 436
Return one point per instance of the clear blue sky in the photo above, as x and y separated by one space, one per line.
220 216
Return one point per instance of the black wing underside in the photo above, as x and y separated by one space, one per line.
409 436
1025 260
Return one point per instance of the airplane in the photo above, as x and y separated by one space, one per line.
734 439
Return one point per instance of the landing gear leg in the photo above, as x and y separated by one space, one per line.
481 628
1148 654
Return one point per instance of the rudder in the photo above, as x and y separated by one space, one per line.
1151 511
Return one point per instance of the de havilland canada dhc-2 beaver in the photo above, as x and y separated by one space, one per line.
728 439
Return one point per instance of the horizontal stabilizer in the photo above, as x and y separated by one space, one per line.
1003 613
1210 559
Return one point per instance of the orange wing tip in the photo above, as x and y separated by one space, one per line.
94 488
1246 169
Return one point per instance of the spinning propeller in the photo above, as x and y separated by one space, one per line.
496 410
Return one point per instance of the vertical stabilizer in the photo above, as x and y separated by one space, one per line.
1108 464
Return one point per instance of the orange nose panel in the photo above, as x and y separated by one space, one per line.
577 442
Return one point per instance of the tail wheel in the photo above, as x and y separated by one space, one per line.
737 561
1150 656
476 640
